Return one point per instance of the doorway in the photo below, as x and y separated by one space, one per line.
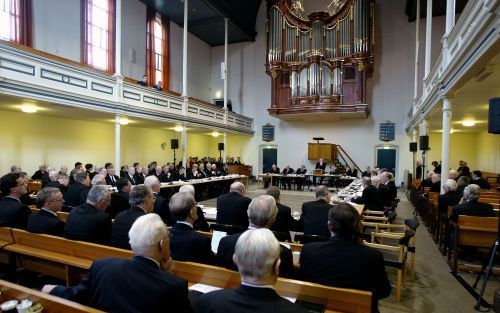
269 157
386 157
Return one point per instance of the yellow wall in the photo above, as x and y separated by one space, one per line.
32 139
488 155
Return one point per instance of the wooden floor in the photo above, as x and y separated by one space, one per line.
435 289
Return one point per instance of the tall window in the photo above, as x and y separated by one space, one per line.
98 33
15 21
157 54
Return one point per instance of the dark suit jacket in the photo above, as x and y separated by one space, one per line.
226 250
385 195
287 172
451 198
13 213
370 198
139 178
165 178
320 166
300 171
109 181
284 220
72 195
314 218
188 245
472 208
58 185
129 286
161 208
232 209
131 179
436 187
276 171
43 222
86 223
246 299
341 262
392 189
482 183
119 203
122 224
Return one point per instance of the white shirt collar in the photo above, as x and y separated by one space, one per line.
47 210
257 286
186 223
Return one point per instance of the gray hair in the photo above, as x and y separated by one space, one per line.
238 187
187 188
45 195
181 204
367 181
321 192
97 193
450 184
151 181
472 192
139 194
262 211
375 180
62 176
453 174
98 180
145 234
81 176
256 253
53 175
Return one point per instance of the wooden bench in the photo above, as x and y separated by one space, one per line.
63 216
473 231
51 304
68 259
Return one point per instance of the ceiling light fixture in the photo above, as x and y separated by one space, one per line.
215 134
124 121
469 123
178 129
28 108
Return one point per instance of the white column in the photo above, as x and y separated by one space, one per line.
183 145
450 15
225 147
445 143
417 56
225 68
428 38
184 51
414 139
423 132
118 38
117 142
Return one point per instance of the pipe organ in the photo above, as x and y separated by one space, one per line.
320 64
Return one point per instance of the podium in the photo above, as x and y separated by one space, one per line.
327 151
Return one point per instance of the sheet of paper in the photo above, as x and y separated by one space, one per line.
291 299
203 288
216 237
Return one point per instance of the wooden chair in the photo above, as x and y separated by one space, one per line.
394 256
34 185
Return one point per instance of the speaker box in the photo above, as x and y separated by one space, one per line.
494 116
413 147
174 144
424 143
221 146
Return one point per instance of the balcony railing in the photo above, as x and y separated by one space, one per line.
28 73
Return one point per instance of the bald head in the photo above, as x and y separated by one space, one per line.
238 187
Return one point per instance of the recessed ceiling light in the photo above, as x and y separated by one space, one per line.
28 108
215 134
469 123
178 129
124 121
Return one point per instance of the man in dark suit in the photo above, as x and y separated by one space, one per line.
386 179
161 204
437 167
50 201
300 180
139 176
186 244
142 201
315 214
140 284
284 220
41 174
120 199
130 175
261 214
287 181
370 197
384 193
477 178
450 196
274 170
89 222
342 261
60 183
12 212
322 166
257 255
72 195
200 223
436 183
111 178
469 205
232 207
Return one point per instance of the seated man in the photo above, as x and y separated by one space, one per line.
200 223
287 180
119 200
470 205
186 244
130 175
450 196
257 255
61 182
111 177
72 195
315 214
140 284
320 165
341 261
144 81
42 175
161 204
300 180
462 182
89 222
142 201
284 220
261 214
12 212
50 201
232 207
274 170
386 179
477 178
370 197
436 183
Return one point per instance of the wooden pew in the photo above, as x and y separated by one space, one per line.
5 239
68 259
63 216
51 304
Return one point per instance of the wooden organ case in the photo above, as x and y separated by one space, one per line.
319 66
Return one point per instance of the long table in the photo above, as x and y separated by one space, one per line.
302 176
